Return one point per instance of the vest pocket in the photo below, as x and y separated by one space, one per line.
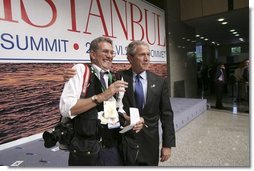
85 150
130 151
86 146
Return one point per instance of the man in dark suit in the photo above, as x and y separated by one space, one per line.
220 81
142 148
246 79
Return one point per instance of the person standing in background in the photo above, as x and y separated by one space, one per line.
238 74
246 71
220 81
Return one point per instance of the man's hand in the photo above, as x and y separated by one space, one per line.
165 153
139 125
68 73
116 87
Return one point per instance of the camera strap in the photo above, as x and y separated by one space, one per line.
86 79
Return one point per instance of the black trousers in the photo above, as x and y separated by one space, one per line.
110 157
219 93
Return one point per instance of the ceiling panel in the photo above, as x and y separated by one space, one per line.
210 28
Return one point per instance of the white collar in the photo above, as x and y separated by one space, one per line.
98 69
142 74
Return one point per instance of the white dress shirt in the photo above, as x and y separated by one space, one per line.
72 91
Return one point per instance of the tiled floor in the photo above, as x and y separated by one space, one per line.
217 138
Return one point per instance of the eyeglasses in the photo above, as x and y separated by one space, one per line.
107 52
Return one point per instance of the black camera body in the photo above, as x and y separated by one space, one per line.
63 133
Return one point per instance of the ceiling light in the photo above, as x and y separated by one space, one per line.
197 35
221 19
241 39
201 37
206 39
224 23
235 32
232 30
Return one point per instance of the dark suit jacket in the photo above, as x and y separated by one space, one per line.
157 107
246 74
218 74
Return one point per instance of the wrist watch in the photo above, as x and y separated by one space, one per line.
95 100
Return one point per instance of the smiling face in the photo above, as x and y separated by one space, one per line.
103 57
140 59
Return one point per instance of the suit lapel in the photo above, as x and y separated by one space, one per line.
151 87
129 91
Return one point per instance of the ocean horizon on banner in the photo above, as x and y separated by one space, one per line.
30 94
29 100
60 31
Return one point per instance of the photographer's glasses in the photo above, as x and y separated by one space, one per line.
107 52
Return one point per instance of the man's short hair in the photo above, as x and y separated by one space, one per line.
131 49
94 46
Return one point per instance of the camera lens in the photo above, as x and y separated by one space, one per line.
49 139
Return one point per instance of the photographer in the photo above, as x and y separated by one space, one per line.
85 148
